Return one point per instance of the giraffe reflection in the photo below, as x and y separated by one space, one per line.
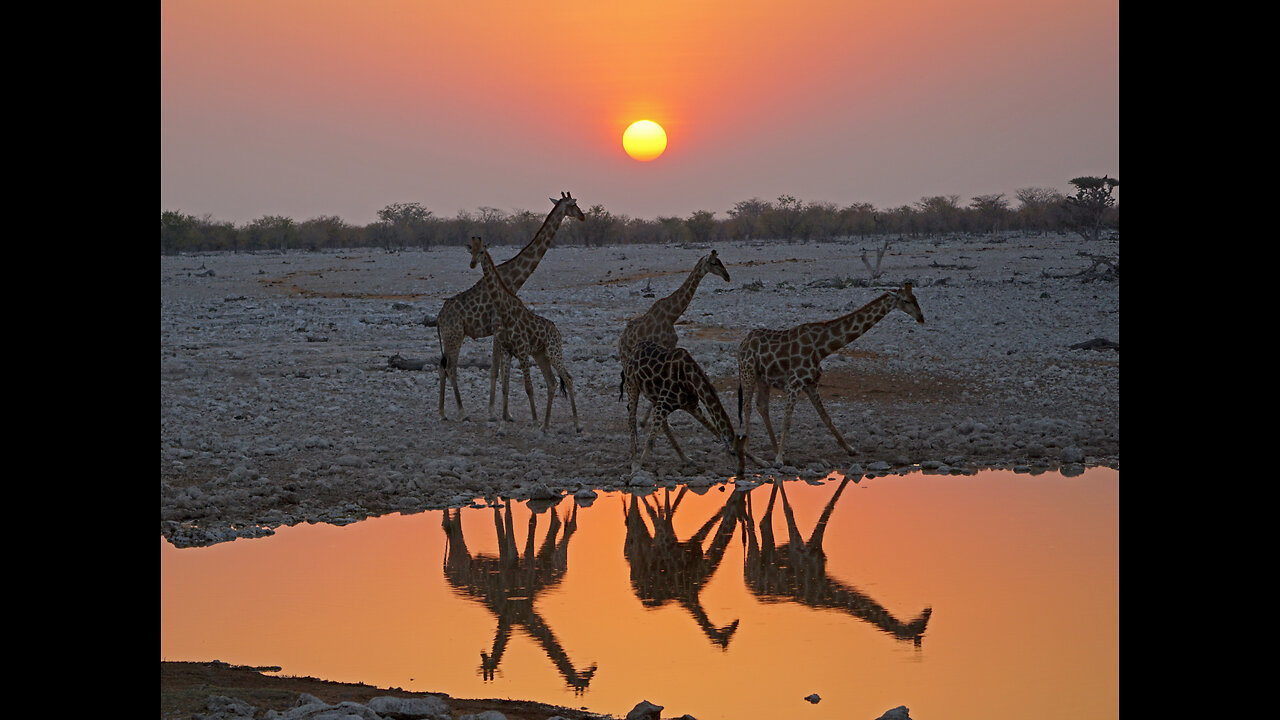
797 570
665 569
509 584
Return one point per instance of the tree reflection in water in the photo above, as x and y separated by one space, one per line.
664 569
796 570
507 585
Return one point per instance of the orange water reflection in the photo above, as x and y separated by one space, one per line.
994 595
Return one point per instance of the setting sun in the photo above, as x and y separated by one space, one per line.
644 140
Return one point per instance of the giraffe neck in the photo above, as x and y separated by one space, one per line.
500 294
847 328
711 399
670 308
518 269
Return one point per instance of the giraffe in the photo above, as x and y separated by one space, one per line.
664 568
791 360
797 570
673 380
508 585
469 314
522 334
658 323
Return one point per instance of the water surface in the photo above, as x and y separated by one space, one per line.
995 595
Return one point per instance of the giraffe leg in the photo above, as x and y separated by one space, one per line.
506 384
696 412
567 380
545 364
666 428
656 418
762 404
528 388
812 392
746 400
506 372
633 398
450 346
792 396
499 360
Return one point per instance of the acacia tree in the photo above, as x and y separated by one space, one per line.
702 225
1087 209
1040 207
746 217
404 224
176 230
271 231
991 211
783 218
601 228
938 213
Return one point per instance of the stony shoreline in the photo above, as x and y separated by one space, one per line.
279 405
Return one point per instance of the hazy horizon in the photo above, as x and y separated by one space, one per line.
305 109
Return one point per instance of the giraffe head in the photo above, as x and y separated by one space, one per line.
712 264
905 300
740 453
476 246
569 204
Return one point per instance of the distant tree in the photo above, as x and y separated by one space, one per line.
326 231
702 225
673 229
939 213
1087 209
858 219
271 231
1039 208
601 227
819 221
991 211
404 213
493 225
177 231
405 224
746 218
524 224
902 220
782 220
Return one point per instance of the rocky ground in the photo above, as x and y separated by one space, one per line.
278 404
218 691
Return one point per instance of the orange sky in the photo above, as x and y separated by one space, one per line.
308 108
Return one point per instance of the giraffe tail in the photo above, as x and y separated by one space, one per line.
622 384
563 391
444 357
739 403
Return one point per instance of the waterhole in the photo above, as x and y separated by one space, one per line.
990 595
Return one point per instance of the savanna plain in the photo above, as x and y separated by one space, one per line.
285 397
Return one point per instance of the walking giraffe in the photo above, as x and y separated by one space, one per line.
522 334
791 360
658 323
673 380
470 315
